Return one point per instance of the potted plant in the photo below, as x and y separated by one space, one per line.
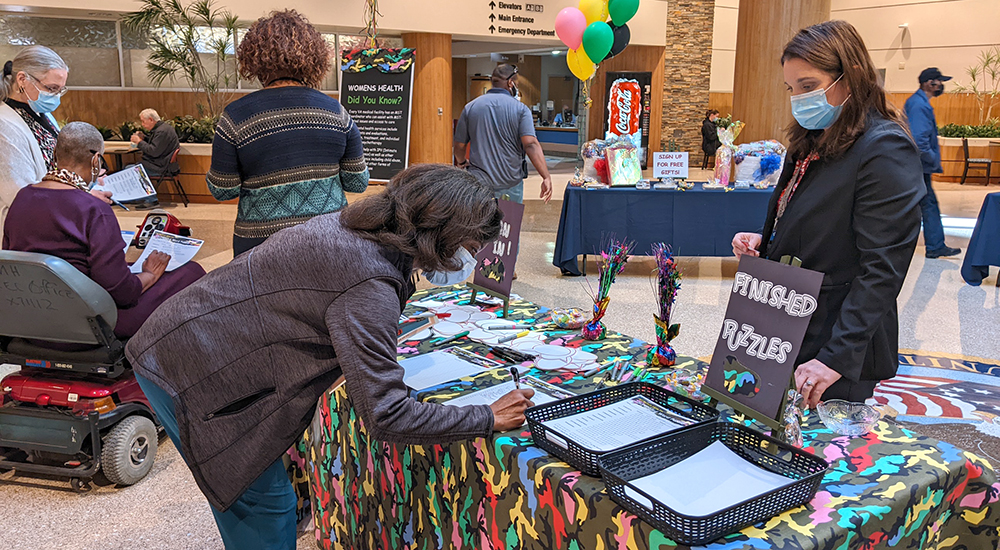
194 43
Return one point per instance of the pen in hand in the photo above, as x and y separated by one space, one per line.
517 379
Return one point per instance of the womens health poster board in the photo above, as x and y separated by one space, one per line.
769 310
376 89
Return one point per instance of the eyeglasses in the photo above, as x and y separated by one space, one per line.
514 74
58 91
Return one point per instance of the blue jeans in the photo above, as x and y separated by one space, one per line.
513 194
263 518
931 215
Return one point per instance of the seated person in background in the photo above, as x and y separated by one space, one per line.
565 117
157 144
57 216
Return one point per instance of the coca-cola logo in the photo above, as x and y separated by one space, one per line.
624 104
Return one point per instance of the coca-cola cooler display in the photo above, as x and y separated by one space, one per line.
627 110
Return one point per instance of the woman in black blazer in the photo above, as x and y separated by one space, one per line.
847 205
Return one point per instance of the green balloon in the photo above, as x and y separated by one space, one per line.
598 39
622 10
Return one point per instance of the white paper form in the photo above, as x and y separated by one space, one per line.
615 425
544 393
706 482
127 236
128 185
180 249
437 367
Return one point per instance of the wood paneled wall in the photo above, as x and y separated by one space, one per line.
949 108
459 86
529 80
431 126
112 107
759 94
636 59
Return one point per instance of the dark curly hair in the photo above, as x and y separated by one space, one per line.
284 46
427 211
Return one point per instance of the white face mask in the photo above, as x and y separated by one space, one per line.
447 278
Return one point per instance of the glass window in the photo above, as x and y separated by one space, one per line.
89 48
136 54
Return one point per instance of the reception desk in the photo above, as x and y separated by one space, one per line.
555 139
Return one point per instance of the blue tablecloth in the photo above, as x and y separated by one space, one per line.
984 248
697 222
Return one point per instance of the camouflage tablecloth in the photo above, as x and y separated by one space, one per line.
890 489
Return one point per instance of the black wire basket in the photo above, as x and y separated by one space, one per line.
585 459
619 467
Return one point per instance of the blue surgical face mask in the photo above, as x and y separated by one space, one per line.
46 102
446 278
813 111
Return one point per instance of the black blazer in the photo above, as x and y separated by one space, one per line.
709 137
855 219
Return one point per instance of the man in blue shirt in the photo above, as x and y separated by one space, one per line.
499 131
923 126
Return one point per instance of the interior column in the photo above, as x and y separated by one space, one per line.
430 130
760 98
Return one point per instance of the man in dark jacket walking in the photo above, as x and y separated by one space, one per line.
923 126
709 136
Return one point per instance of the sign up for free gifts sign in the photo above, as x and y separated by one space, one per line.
670 165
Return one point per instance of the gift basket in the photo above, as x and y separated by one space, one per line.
759 163
724 156
624 164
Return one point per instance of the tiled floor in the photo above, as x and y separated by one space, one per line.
938 313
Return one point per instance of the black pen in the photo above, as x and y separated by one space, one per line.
517 381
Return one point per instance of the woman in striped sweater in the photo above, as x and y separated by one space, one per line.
288 151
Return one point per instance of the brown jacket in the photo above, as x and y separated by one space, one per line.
247 350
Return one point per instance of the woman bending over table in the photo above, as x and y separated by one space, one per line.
58 216
847 205
234 366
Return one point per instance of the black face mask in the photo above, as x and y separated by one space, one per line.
939 90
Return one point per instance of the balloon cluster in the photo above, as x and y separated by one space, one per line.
590 36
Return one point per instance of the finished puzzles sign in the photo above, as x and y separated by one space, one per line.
495 262
754 360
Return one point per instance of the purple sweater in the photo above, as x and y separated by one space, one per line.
77 227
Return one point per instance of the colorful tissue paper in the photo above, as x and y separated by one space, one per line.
613 259
668 283
724 156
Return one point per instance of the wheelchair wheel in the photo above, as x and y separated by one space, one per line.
129 450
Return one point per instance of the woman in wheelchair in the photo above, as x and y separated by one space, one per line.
58 216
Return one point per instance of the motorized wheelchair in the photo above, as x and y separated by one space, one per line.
74 407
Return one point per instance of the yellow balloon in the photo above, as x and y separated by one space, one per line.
579 64
594 10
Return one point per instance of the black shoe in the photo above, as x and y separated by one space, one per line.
943 252
148 205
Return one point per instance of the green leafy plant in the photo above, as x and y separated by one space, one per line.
106 133
984 82
194 42
989 130
127 128
193 130
724 122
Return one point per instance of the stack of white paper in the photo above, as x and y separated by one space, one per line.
615 425
706 482
544 393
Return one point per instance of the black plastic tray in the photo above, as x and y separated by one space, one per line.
621 466
584 459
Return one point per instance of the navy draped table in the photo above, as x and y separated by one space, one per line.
696 222
984 247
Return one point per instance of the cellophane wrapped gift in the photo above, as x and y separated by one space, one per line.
623 162
724 156
759 163
591 151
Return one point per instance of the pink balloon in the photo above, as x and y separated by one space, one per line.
570 24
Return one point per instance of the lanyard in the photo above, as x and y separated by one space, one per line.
800 171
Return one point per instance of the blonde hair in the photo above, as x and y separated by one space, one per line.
33 61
